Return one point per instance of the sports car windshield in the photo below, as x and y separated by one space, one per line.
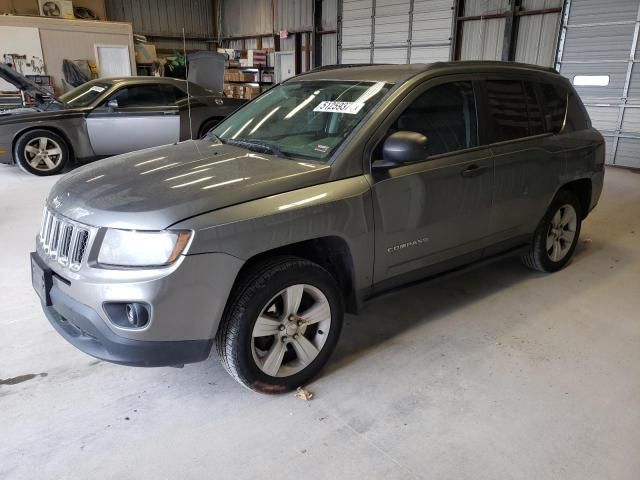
85 94
302 118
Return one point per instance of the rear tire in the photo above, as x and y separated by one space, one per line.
41 152
281 325
557 235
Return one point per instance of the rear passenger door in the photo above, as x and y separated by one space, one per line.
519 130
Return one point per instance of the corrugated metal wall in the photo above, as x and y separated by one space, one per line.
330 40
601 39
395 31
536 38
255 17
164 19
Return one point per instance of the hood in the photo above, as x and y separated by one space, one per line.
50 112
155 188
23 83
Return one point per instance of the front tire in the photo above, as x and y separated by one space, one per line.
208 126
41 152
557 235
282 323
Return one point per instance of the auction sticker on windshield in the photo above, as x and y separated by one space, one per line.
339 107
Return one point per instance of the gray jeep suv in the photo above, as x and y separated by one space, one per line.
328 189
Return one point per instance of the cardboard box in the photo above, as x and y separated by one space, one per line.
145 53
251 92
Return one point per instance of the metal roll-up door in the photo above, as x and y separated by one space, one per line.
598 53
395 31
357 17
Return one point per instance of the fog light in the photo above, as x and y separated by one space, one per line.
128 314
137 315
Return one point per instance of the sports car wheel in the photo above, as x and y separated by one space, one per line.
41 152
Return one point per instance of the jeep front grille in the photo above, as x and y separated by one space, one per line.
64 240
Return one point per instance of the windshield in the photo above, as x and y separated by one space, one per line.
85 94
302 118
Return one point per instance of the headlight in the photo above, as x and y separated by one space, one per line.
131 248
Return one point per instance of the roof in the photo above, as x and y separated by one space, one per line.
399 73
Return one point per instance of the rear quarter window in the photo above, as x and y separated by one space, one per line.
577 117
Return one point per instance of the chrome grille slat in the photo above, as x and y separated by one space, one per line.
64 240
55 237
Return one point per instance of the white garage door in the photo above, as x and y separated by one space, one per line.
396 31
599 54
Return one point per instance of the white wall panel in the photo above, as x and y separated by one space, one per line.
430 54
356 56
482 39
393 29
390 55
329 49
537 38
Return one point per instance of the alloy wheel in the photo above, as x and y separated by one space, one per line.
561 233
43 153
291 330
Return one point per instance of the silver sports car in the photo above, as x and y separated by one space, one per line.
104 117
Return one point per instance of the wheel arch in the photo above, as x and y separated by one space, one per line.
206 122
581 188
56 130
331 252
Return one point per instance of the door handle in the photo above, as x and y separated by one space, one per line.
474 171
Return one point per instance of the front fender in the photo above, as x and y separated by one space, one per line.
341 208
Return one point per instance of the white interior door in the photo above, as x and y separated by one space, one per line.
113 60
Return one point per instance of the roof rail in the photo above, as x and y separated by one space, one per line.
337 66
498 63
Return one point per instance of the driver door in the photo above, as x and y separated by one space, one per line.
133 118
433 214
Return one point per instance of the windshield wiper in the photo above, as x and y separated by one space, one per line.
265 146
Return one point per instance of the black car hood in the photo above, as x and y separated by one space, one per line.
155 188
53 113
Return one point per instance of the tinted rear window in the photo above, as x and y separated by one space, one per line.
536 122
553 99
507 109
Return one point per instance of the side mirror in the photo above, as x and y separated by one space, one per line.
112 104
404 147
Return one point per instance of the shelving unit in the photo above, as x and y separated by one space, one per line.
258 82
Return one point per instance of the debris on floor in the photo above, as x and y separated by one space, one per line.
587 240
304 394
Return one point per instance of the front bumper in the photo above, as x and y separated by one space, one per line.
185 300
83 328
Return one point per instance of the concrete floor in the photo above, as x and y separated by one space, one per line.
498 374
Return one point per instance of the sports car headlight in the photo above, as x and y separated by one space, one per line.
134 248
